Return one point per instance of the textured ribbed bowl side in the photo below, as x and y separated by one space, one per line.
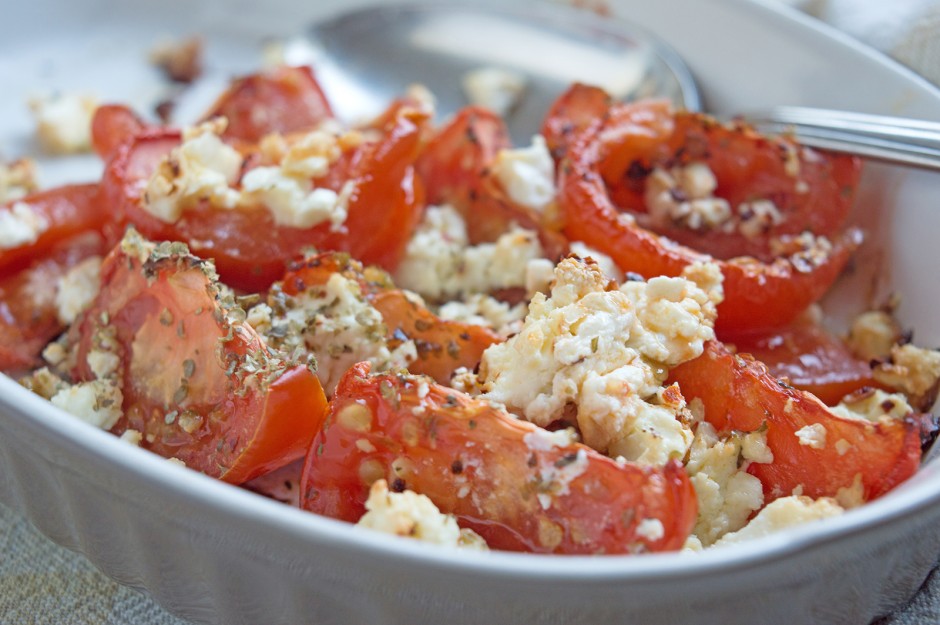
215 554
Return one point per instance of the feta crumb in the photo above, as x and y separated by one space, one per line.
545 440
872 405
63 122
132 437
605 262
97 402
484 310
539 273
337 324
440 264
44 383
17 179
782 513
495 88
727 494
607 353
201 168
20 225
813 435
684 196
873 334
77 289
650 529
911 370
412 515
527 174
181 61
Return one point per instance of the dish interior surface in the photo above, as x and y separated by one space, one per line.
216 554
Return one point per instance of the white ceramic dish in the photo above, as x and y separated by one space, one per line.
216 554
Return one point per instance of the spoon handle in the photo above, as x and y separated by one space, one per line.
894 140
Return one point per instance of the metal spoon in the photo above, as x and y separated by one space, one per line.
367 57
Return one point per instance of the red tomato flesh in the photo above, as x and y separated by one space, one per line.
480 464
740 394
443 346
198 385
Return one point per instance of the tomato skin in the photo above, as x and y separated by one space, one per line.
811 190
112 126
283 100
574 111
384 207
739 393
474 462
809 358
68 211
28 312
181 356
758 295
443 346
455 167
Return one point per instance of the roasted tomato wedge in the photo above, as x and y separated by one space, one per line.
29 310
443 346
502 477
455 166
575 110
283 100
249 247
45 219
197 383
759 294
738 393
810 358
112 126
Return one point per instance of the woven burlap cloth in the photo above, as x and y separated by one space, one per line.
44 584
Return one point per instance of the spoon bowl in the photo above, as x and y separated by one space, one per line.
367 57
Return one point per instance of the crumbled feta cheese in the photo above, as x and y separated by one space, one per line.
97 402
337 324
44 383
201 168
539 273
204 169
495 88
782 513
412 515
293 201
606 352
181 61
20 225
650 529
527 174
727 494
439 263
872 405
805 251
758 217
484 310
77 289
132 437
63 122
545 440
911 370
17 179
684 196
873 334
813 435
605 262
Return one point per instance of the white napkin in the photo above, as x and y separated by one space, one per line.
908 30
